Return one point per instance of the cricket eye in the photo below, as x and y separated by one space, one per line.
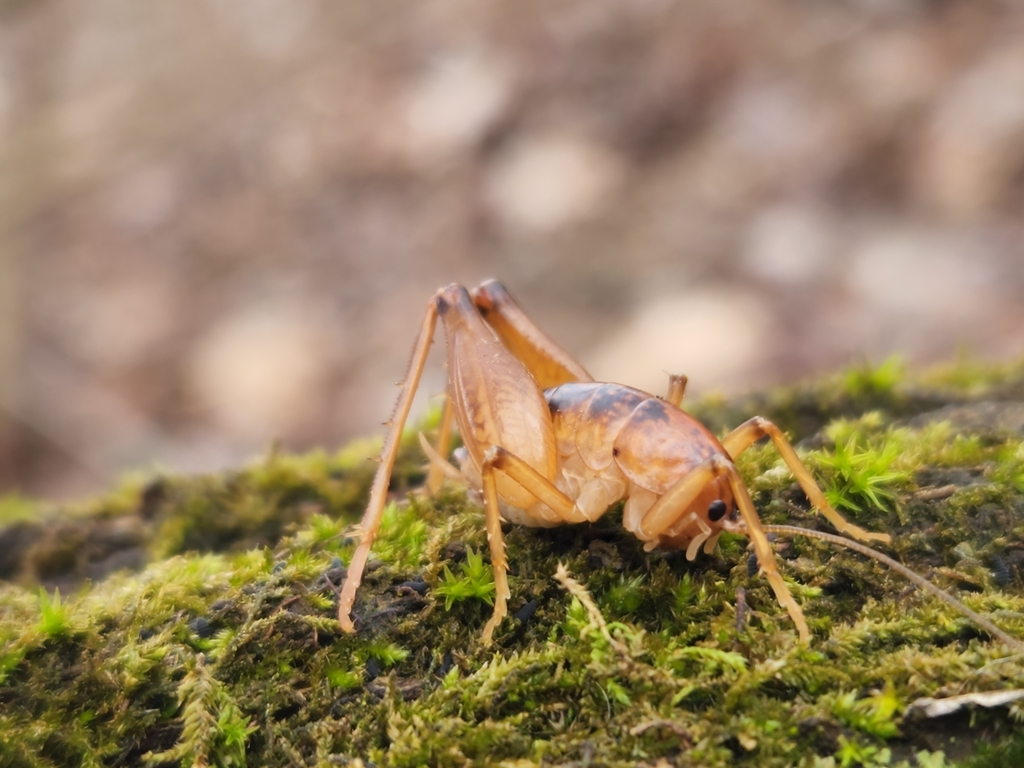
716 510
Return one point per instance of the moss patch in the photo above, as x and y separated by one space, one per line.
147 520
218 644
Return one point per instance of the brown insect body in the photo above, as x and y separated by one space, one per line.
611 437
608 442
545 445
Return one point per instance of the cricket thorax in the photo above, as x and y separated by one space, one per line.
596 427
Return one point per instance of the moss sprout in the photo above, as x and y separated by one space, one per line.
860 476
476 581
874 715
214 731
54 616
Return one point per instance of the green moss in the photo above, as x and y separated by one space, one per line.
870 381
860 476
149 519
222 646
873 715
54 617
476 581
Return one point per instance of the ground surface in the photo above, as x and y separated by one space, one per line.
194 622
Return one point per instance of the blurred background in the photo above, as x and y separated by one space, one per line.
220 222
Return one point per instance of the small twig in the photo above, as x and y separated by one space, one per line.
741 609
932 494
334 587
676 728
577 590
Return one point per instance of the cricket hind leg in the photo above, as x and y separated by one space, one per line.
370 524
498 459
497 402
546 361
749 432
440 467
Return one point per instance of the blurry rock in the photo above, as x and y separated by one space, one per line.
906 271
261 372
781 131
85 123
271 29
453 104
716 336
894 71
144 198
713 176
992 419
114 322
290 156
973 150
546 182
790 245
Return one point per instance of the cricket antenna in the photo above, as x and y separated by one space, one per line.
918 580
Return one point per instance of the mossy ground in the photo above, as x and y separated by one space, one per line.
213 640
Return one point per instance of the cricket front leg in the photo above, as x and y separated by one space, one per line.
765 553
672 506
749 432
370 524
